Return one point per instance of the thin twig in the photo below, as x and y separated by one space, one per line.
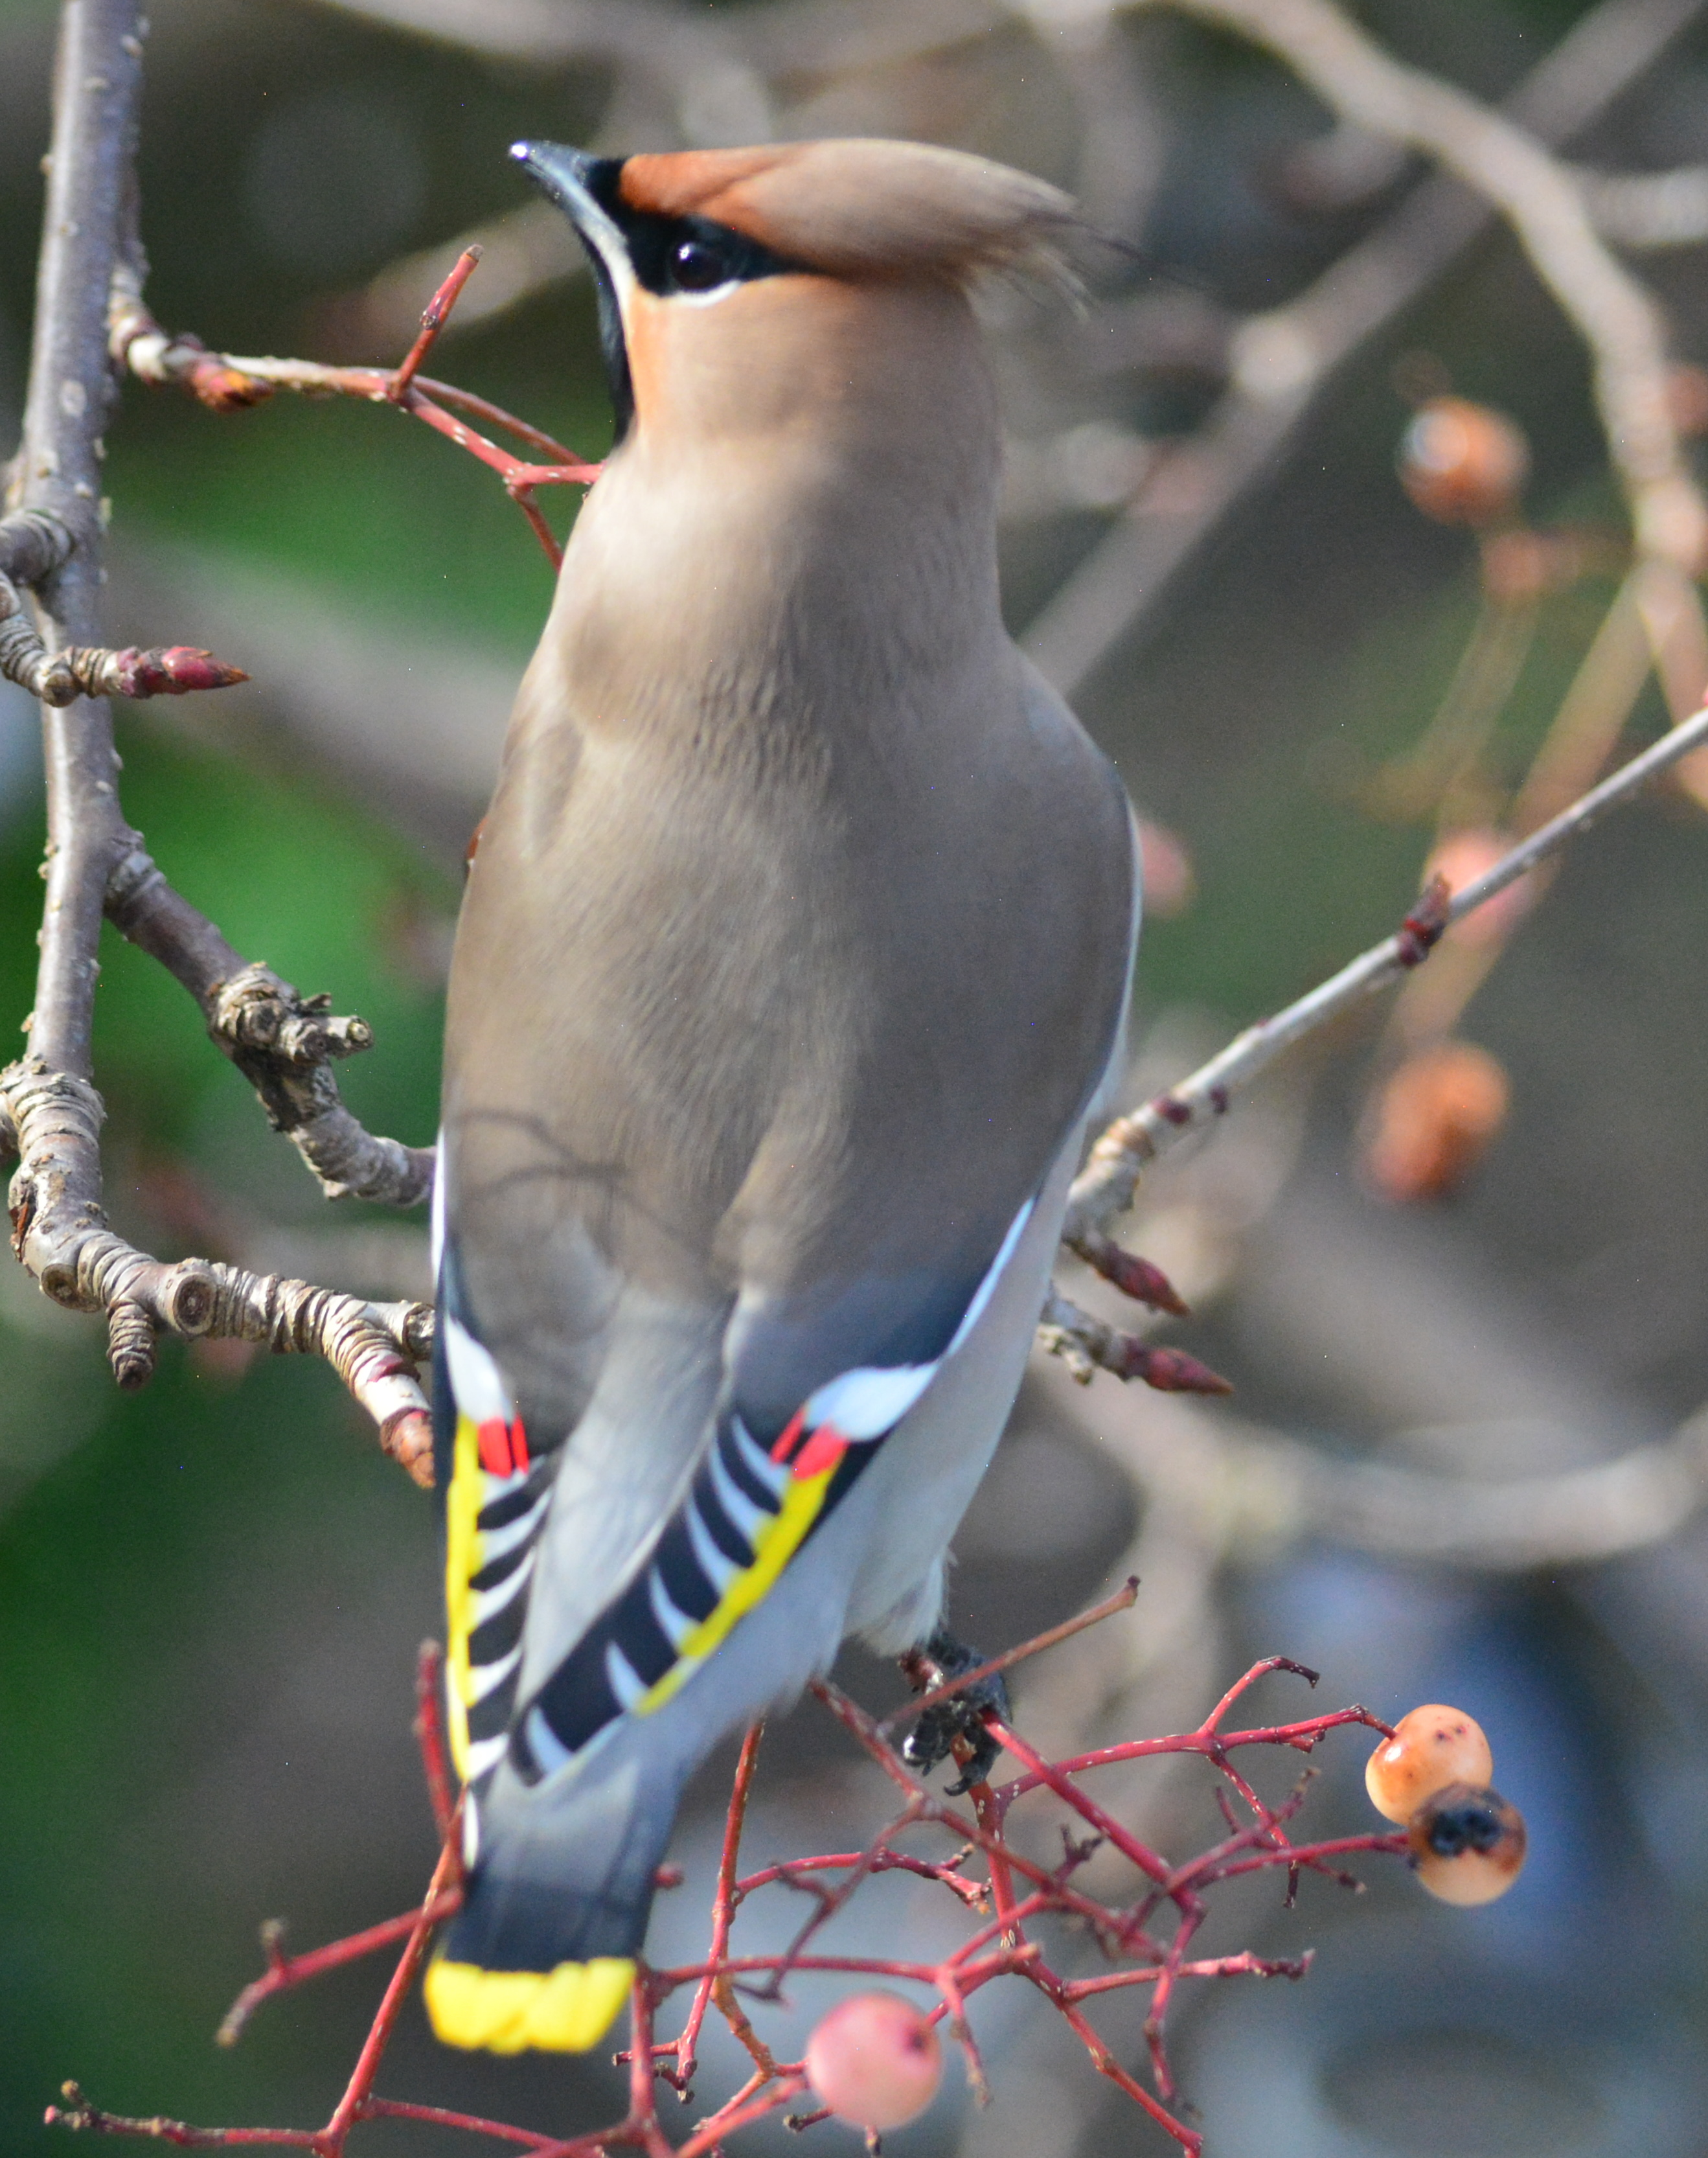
78 670
430 1736
373 2047
227 383
284 1973
283 1044
1088 1345
434 317
1105 1188
728 1895
995 1948
1648 209
1124 1599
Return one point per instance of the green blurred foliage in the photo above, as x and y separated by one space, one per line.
357 498
297 876
173 1539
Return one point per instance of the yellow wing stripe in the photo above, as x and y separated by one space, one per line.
462 1562
565 2011
775 1544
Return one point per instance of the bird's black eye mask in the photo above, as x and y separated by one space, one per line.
671 256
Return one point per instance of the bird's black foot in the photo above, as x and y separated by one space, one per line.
961 1718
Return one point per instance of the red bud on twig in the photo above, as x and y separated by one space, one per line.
408 1438
1133 1276
1087 1345
1169 1370
223 389
434 317
169 672
91 670
1422 930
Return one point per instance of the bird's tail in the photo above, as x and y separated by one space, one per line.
542 1952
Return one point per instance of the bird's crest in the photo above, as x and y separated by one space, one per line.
864 209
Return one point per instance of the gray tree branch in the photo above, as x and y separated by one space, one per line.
50 1114
284 1044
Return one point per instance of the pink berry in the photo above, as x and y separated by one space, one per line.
1468 1844
1432 1748
874 2061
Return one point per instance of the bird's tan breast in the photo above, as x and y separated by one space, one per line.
722 1008
796 934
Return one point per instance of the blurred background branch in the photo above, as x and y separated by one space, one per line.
1293 354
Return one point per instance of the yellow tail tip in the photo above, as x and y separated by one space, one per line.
564 2010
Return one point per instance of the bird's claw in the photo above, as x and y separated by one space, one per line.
960 1720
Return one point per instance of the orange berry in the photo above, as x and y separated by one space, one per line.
1434 1119
1462 463
1467 1844
1432 1748
874 2061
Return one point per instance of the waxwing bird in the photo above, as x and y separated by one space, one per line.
793 965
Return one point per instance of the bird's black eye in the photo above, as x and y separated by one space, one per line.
690 255
697 266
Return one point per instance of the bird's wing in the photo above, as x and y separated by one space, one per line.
626 1615
754 1498
713 1293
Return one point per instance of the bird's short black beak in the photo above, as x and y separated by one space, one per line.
585 187
582 185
